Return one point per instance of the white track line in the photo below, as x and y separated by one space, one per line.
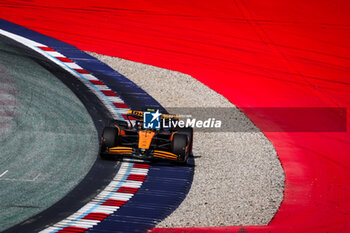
2 174
130 175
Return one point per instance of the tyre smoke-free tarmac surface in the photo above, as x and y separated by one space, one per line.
48 143
238 178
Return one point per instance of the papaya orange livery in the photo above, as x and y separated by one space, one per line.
132 139
145 138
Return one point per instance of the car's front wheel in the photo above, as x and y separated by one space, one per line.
179 147
189 132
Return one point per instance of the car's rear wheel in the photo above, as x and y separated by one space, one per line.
109 139
178 147
189 132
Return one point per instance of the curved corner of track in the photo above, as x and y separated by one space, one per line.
139 195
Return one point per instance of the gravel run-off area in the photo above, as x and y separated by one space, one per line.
238 177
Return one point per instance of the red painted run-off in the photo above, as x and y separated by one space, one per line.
257 54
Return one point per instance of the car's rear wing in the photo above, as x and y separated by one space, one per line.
139 115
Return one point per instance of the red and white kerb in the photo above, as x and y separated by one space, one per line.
130 176
122 188
108 93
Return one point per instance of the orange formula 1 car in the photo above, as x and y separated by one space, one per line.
147 141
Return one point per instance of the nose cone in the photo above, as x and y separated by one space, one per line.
145 138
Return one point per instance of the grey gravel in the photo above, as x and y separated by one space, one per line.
238 177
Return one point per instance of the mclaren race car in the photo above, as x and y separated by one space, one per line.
133 139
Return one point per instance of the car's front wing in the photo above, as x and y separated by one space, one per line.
133 152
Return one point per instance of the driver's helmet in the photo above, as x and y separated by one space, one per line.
139 124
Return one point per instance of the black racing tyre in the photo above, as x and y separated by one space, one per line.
178 147
109 139
189 132
110 136
103 153
121 124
